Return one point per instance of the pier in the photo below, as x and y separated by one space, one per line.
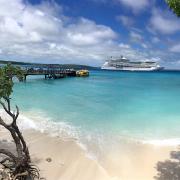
51 73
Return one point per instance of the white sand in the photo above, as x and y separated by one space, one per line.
70 161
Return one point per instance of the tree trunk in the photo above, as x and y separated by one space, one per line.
20 164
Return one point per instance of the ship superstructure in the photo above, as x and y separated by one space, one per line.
124 64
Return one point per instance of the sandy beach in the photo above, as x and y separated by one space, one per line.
68 161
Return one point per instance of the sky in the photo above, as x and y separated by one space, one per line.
89 31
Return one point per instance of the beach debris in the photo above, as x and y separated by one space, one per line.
48 159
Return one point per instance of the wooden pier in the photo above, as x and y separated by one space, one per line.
50 74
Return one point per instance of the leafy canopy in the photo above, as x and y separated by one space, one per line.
175 6
6 79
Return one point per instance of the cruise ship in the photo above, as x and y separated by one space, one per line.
123 64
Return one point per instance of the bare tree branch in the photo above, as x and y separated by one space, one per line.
17 113
6 109
7 99
25 149
3 123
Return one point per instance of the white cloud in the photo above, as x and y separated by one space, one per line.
163 22
86 32
43 30
44 33
135 5
136 37
125 20
155 39
122 45
144 45
175 48
11 8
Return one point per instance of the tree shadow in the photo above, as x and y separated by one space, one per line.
169 169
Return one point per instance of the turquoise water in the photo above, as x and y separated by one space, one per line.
140 105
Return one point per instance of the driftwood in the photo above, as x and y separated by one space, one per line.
19 164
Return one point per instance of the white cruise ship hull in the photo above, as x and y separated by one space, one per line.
132 69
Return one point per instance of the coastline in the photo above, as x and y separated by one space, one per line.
69 161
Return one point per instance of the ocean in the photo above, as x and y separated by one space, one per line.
104 108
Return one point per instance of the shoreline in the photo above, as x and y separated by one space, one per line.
69 161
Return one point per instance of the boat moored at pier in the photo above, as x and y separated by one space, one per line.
82 73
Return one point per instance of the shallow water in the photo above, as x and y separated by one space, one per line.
105 106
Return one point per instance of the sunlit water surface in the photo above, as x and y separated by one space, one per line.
104 107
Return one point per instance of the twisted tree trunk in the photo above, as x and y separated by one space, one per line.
19 164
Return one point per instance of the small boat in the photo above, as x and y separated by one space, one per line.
82 73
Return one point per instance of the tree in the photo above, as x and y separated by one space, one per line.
175 6
18 163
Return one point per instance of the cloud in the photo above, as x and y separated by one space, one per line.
125 20
144 45
155 39
163 22
86 32
135 5
175 48
43 33
136 37
121 45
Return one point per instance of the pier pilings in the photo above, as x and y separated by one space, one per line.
51 74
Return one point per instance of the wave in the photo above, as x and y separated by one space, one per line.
95 143
41 122
163 142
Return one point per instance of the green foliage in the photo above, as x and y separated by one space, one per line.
175 6
6 79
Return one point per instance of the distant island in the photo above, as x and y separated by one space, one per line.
66 66
62 66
